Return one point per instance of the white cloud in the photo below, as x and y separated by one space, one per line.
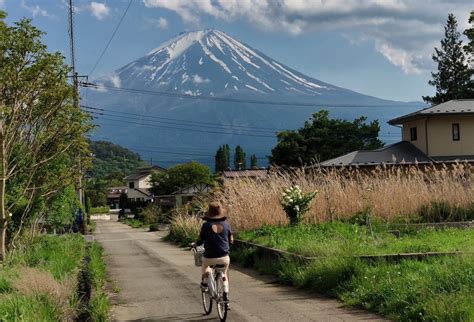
99 10
36 10
2 3
404 31
199 80
115 80
160 23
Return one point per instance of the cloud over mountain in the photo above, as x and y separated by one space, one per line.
404 31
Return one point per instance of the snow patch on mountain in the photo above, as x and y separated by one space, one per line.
198 60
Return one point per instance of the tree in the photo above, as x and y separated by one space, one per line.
42 135
469 49
452 79
180 176
226 149
239 158
222 158
323 138
253 162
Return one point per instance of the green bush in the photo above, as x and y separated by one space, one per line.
99 210
442 211
154 227
150 215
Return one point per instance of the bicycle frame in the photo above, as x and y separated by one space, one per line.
212 282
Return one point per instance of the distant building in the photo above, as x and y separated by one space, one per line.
182 196
442 133
113 196
239 174
139 184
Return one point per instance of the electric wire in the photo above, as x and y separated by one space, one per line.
166 120
100 113
111 38
229 99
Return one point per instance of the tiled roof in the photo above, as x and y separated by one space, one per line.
453 107
143 172
399 153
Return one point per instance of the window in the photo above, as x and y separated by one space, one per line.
456 133
413 134
131 185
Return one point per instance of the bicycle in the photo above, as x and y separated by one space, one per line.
217 285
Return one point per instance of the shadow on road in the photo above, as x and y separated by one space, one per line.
180 317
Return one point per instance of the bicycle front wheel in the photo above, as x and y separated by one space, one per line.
221 304
206 302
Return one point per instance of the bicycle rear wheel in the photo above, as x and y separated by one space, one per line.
206 302
221 304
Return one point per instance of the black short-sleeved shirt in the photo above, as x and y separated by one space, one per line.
216 244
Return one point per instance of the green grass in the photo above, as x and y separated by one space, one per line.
29 308
59 257
99 210
333 238
99 305
134 223
433 289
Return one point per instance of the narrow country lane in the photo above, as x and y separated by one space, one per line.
158 282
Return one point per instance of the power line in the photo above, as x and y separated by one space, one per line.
123 120
112 37
224 126
126 119
228 99
191 123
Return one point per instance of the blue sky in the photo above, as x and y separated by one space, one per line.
377 47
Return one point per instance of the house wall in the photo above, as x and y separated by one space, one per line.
144 183
435 136
440 138
420 142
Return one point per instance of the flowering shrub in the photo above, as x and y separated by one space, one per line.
296 203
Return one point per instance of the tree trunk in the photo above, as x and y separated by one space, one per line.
3 215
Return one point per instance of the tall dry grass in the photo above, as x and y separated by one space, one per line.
390 192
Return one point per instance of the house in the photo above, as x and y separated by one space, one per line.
442 133
113 196
139 184
182 196
239 174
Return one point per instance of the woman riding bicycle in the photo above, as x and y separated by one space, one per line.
216 235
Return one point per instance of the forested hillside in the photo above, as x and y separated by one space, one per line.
111 163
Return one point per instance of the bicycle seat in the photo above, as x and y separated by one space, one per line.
217 266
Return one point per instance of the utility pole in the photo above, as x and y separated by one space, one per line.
75 84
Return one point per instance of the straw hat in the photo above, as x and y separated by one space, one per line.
216 211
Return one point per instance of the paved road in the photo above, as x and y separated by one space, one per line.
158 282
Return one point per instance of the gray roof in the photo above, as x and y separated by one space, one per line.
254 173
143 172
399 153
453 107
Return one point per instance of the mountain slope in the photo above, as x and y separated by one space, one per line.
201 65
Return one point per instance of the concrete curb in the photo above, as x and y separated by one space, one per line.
274 255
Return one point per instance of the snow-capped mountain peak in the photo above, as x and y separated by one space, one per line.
210 62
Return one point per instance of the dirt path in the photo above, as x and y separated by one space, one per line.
158 282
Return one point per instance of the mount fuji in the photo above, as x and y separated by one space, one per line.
204 88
